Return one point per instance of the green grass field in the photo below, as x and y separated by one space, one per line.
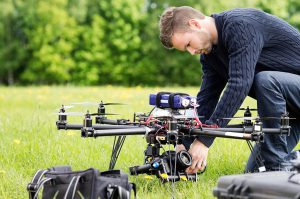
30 141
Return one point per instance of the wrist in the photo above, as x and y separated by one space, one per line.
207 141
199 143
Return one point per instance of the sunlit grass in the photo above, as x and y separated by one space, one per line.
30 141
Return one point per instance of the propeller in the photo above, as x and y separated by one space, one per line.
250 109
101 114
63 107
67 107
254 118
95 103
70 113
83 114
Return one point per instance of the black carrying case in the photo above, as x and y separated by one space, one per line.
267 185
61 182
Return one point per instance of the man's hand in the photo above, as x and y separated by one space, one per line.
199 153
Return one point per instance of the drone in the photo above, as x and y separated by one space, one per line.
173 118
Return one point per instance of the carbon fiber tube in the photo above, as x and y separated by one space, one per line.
225 134
118 132
250 130
108 121
95 126
136 170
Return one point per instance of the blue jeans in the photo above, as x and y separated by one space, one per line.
276 92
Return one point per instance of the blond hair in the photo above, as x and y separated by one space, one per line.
176 19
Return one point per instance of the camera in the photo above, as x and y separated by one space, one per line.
170 166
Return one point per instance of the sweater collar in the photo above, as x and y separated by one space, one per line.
219 22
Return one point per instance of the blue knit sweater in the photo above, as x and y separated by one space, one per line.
249 41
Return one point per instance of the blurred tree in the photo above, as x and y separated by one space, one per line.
52 35
288 10
90 52
165 67
122 39
294 13
12 44
91 42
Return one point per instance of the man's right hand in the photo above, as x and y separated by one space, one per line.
199 153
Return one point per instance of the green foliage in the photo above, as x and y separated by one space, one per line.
12 48
288 10
52 37
123 43
91 42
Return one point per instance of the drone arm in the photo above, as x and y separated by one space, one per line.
95 126
109 121
136 170
128 131
68 126
224 134
249 130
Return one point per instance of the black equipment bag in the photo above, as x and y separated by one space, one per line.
63 183
267 185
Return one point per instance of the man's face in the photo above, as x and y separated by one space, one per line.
195 41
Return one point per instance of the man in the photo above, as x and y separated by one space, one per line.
242 52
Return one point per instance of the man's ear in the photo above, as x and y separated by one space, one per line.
194 23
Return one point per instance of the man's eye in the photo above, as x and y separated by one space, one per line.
187 46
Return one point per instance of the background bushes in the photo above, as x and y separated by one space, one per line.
95 42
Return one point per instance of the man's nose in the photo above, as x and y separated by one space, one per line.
191 50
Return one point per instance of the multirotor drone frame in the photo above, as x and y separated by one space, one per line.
173 118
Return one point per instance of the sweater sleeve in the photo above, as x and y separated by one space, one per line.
210 91
244 44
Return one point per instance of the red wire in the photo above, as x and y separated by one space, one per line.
148 119
199 123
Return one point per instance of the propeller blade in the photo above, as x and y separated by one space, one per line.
67 107
64 107
83 114
255 118
103 114
71 113
276 118
113 103
240 118
250 109
95 103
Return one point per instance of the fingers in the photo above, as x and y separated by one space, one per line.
199 153
196 163
203 165
196 166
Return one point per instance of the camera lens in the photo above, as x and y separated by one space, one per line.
184 159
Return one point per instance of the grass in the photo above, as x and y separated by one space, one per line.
30 141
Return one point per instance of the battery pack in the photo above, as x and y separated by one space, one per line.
172 100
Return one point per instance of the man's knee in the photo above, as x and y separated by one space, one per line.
265 81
